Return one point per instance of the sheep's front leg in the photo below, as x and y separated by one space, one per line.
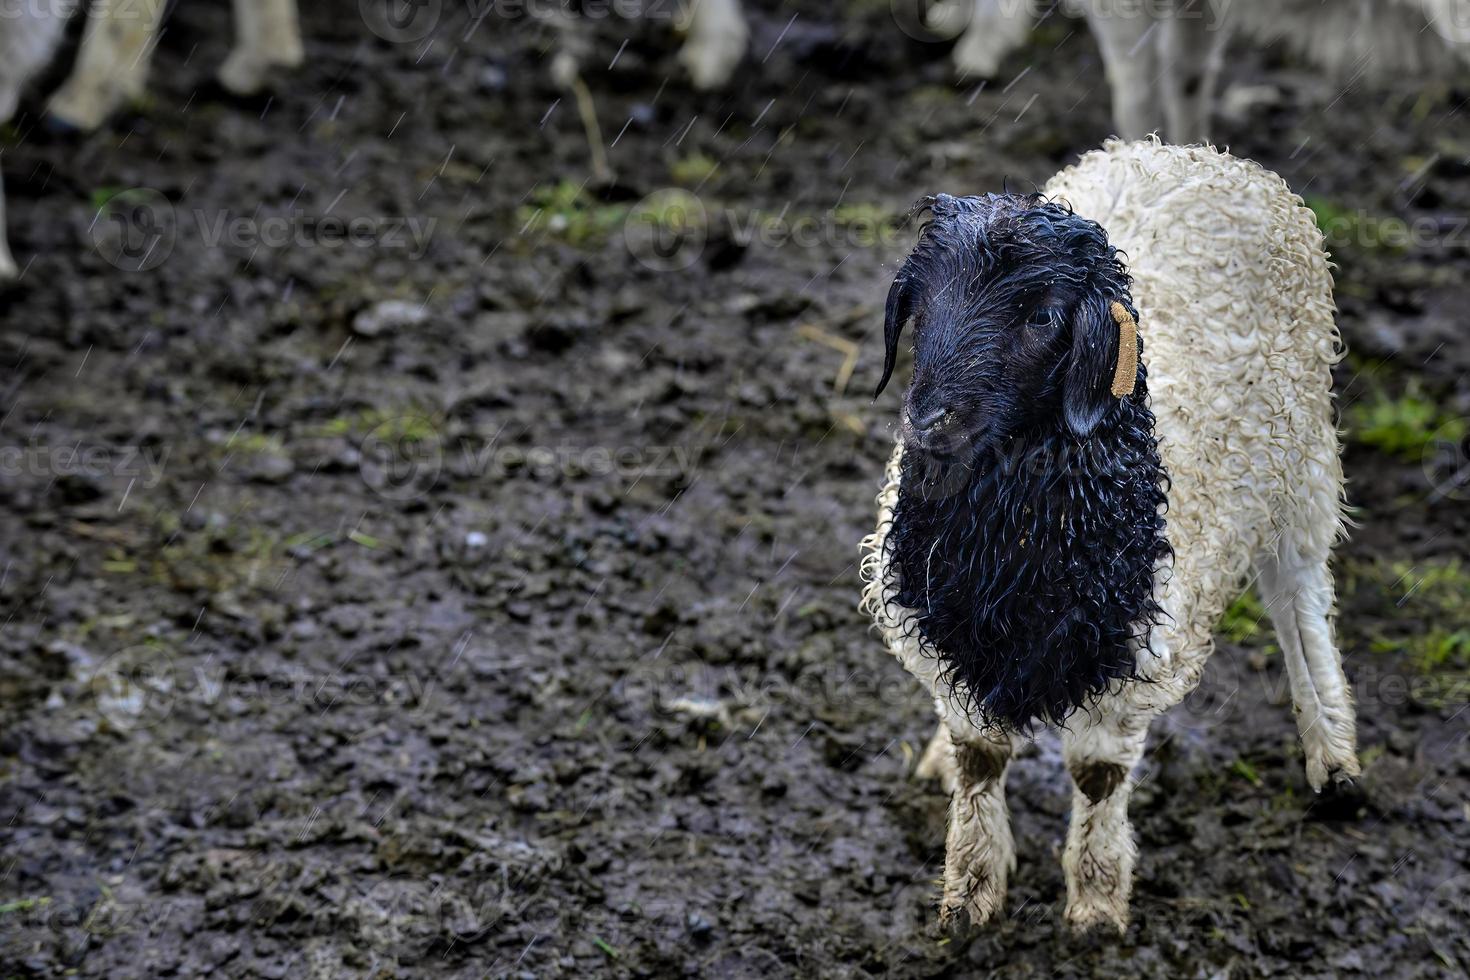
267 36
1101 748
979 852
112 65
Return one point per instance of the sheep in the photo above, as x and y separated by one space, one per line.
1177 51
113 62
1067 512
1162 58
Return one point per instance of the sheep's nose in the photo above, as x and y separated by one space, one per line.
928 422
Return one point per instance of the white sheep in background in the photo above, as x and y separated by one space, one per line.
1177 54
1163 58
112 65
1019 568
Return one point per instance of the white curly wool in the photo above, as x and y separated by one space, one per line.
1235 305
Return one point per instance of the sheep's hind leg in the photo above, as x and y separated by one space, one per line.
112 66
979 853
937 762
267 36
1300 602
1101 746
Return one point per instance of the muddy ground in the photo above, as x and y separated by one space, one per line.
492 610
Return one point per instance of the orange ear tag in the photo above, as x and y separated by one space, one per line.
1126 375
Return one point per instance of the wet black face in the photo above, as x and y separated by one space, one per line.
1009 298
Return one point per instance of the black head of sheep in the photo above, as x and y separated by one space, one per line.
1010 300
1029 520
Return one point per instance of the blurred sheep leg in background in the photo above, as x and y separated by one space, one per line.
267 36
112 66
996 28
8 270
27 43
118 44
1132 64
716 39
1192 46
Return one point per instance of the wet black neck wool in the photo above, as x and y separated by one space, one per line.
1031 573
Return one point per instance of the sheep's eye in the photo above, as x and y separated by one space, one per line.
1044 318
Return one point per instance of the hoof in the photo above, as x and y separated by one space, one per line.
63 118
245 75
711 64
1324 770
1085 918
55 125
971 65
958 919
1343 799
980 905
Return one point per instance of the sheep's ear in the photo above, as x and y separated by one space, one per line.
904 294
1087 392
903 299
